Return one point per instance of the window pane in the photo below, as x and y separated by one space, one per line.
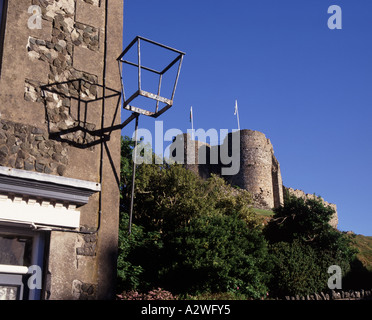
15 250
8 292
1 10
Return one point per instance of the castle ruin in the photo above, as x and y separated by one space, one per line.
259 170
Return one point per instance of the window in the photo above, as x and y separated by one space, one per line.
15 250
19 250
3 8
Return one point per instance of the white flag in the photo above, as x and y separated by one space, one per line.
236 113
236 107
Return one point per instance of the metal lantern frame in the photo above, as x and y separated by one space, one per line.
136 111
155 96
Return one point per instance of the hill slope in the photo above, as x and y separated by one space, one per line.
364 245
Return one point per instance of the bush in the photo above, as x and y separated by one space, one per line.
217 254
172 204
296 270
303 246
156 294
138 257
159 294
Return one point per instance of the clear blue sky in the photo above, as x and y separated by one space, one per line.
308 88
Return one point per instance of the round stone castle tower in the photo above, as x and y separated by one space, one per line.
259 169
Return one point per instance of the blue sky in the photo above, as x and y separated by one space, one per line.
308 88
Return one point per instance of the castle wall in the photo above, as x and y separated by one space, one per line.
301 194
195 155
259 170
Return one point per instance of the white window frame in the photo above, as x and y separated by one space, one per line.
10 272
3 9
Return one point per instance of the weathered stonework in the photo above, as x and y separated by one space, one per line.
65 82
259 170
83 291
86 36
29 148
94 2
89 241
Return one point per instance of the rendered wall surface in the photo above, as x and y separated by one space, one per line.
52 103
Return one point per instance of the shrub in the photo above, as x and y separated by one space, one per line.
173 203
303 247
217 254
130 295
156 294
296 270
159 294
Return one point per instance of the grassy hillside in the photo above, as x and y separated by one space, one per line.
360 276
265 215
364 245
262 212
361 242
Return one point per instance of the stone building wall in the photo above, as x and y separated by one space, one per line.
26 147
52 110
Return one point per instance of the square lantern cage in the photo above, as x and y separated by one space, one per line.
166 102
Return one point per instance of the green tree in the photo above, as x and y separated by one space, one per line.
296 269
217 253
304 245
137 252
167 197
306 220
172 205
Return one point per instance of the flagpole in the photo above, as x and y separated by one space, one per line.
237 113
192 123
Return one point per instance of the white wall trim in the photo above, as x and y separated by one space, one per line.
47 187
4 268
48 178
38 212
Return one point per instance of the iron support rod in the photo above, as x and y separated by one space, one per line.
139 64
160 45
143 67
159 88
128 47
178 74
121 80
133 176
171 64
